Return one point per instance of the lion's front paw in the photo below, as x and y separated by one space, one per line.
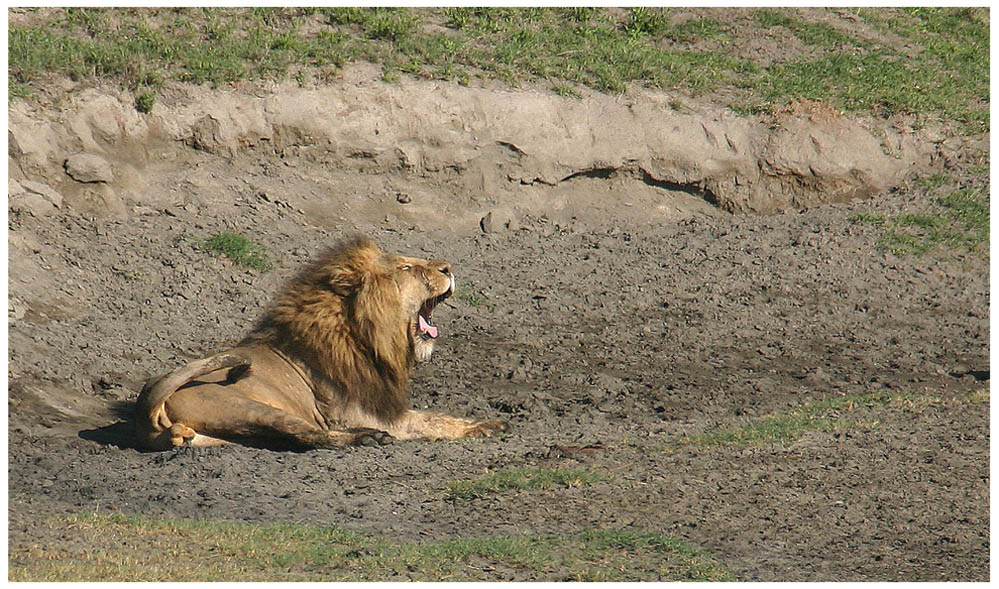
486 428
364 436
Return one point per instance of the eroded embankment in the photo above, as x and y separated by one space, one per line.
514 150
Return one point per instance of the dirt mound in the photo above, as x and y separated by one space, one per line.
514 151
605 303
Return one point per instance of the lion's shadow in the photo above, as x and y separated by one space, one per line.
120 434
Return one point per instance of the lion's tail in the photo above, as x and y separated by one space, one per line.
150 416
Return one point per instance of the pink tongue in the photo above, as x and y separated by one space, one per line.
426 328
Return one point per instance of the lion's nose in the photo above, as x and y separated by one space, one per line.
445 269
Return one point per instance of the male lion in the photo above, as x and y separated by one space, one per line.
327 366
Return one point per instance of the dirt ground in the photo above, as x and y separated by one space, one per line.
605 333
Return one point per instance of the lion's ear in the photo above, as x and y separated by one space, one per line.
344 282
353 262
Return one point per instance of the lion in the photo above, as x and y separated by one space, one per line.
327 365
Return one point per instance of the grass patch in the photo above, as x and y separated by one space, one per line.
810 33
942 72
120 548
868 218
146 47
979 396
698 29
239 249
142 47
819 416
389 24
957 220
933 181
588 47
145 101
566 91
471 297
522 478
647 21
949 76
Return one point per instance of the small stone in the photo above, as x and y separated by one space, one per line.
34 204
143 211
16 309
43 190
403 198
497 221
486 223
33 197
88 168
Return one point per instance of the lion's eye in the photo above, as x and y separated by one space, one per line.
405 267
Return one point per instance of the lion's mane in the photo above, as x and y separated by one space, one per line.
343 320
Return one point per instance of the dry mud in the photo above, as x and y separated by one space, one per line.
613 303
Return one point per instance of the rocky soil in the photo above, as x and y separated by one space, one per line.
619 293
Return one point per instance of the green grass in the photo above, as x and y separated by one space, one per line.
239 249
868 218
957 219
810 33
933 181
521 478
191 45
566 91
942 71
120 548
145 101
390 24
949 77
471 297
699 29
647 21
820 416
565 45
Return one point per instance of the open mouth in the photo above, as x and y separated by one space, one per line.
425 327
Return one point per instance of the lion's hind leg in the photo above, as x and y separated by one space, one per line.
214 415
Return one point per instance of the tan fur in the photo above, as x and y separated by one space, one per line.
328 365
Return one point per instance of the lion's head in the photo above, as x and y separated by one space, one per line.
358 319
423 284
